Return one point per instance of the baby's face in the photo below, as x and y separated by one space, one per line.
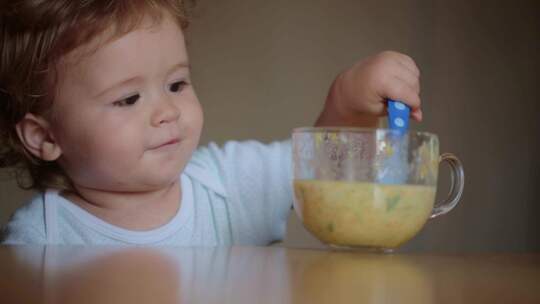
126 116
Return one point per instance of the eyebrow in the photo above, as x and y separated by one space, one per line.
180 65
117 85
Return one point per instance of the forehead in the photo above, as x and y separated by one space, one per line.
147 46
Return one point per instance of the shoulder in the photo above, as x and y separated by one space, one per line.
27 225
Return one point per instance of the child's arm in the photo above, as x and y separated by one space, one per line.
358 95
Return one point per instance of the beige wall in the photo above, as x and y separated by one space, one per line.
262 68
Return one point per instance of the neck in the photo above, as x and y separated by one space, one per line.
143 210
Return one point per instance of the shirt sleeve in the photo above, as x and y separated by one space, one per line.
26 226
258 181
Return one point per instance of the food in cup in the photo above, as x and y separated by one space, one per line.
363 214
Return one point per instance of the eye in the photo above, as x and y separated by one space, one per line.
128 101
177 86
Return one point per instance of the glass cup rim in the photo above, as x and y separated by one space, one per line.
356 130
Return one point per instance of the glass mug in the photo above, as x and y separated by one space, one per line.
343 194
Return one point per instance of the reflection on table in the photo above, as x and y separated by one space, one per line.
58 274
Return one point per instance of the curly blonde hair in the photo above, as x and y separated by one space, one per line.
34 35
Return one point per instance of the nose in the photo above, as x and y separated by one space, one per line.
166 111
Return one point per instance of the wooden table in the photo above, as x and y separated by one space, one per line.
56 274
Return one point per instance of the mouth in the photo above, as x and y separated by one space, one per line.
170 143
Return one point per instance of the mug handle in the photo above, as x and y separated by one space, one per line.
457 184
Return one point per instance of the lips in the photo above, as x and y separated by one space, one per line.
166 144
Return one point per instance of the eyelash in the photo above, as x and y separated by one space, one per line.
128 101
175 87
180 85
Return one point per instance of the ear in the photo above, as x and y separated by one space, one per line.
34 133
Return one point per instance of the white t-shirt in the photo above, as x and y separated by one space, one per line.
240 193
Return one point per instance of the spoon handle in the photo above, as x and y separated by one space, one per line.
398 116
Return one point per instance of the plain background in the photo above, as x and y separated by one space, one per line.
263 67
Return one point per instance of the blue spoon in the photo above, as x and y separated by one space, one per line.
395 167
398 116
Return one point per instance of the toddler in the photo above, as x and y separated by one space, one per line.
99 115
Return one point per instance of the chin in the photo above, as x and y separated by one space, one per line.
153 179
157 182
163 178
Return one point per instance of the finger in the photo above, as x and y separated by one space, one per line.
402 59
417 114
407 77
399 65
400 90
408 63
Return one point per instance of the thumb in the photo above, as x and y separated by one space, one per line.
416 114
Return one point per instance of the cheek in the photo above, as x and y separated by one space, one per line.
116 145
95 141
194 115
104 158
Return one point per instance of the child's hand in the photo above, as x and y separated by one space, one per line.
359 95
